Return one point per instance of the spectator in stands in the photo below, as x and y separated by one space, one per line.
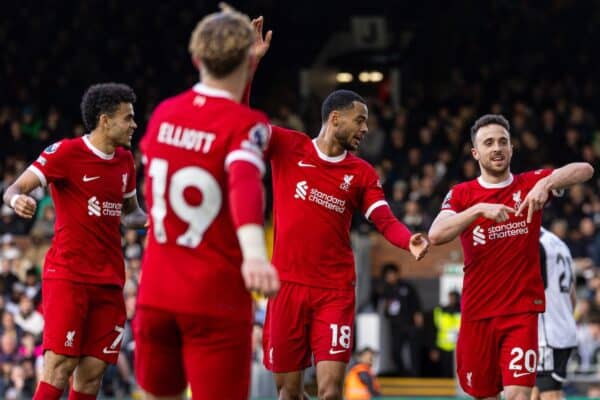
446 320
9 325
7 276
28 318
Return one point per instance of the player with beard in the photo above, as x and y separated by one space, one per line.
318 184
92 180
498 218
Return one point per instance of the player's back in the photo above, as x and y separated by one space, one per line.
192 261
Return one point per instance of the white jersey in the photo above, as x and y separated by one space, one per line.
556 327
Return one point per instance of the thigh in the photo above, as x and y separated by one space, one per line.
158 363
105 322
519 350
286 343
477 354
67 304
217 356
552 368
332 324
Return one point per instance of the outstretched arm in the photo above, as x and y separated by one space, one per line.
17 194
259 49
448 224
397 233
561 178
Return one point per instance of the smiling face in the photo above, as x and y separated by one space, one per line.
120 125
493 150
350 125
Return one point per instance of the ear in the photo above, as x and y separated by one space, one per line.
334 118
474 153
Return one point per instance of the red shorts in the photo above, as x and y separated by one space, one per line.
83 319
213 354
497 352
301 319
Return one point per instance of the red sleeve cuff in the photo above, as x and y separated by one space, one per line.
393 230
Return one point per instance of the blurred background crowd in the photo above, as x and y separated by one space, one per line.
537 65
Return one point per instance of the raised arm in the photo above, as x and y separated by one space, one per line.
17 195
561 178
259 49
449 224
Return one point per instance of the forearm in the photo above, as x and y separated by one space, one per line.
568 175
135 220
9 193
445 229
393 230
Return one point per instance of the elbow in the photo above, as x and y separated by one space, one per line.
435 237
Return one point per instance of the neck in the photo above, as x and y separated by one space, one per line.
327 143
490 178
101 142
233 83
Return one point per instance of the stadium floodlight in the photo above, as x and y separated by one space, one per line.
375 76
344 77
364 76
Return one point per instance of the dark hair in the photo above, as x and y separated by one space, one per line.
489 119
339 100
103 98
387 268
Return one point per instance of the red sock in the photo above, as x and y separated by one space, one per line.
46 391
75 395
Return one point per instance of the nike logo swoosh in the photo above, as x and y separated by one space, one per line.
332 351
107 351
520 374
303 164
90 178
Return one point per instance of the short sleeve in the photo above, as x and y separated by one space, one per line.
130 179
453 201
249 142
51 164
372 196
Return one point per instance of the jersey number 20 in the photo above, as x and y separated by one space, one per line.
198 217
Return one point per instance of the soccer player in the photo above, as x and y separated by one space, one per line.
498 217
318 185
92 183
557 331
203 152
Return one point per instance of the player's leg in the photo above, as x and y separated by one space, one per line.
552 373
518 354
331 335
67 304
216 352
158 362
477 353
290 385
286 341
101 342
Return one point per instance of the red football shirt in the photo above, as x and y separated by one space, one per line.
87 188
502 261
193 259
314 199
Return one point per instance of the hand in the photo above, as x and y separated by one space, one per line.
261 44
418 245
497 212
535 200
260 276
25 206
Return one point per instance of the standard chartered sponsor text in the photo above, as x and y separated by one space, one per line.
507 230
326 200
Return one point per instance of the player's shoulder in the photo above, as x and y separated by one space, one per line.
173 102
465 187
63 146
532 174
291 136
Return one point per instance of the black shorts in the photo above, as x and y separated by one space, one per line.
552 368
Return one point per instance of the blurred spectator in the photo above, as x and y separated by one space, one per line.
361 382
9 325
446 320
28 318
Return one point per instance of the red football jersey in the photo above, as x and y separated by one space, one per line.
502 260
88 188
314 199
193 259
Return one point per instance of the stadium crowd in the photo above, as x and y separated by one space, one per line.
419 149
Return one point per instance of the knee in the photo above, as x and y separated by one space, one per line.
58 369
290 393
88 379
330 392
